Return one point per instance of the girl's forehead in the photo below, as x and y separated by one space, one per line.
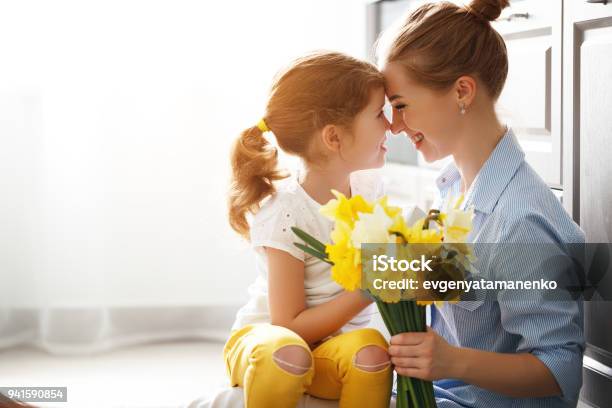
376 98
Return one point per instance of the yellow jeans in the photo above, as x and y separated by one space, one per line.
253 364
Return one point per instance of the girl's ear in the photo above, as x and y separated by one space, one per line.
465 90
330 136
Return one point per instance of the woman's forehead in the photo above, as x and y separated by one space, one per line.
394 74
398 81
394 81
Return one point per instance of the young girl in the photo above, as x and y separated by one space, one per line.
300 332
444 72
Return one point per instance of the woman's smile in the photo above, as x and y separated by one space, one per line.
416 138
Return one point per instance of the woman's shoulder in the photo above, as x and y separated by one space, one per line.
527 192
530 208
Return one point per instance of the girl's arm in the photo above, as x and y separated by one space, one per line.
428 356
287 300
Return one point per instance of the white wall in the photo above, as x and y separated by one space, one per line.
116 119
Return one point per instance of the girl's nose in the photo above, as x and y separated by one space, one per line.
397 124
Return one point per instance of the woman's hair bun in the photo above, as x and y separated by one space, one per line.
488 9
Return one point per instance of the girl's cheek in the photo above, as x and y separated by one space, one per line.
383 124
382 128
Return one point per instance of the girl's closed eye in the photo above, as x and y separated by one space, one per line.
399 106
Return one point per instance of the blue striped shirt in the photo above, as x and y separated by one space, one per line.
512 204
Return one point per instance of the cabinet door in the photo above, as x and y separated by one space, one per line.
531 100
587 172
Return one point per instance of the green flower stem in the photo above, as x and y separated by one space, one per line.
400 317
416 313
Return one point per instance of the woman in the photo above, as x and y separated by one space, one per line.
444 71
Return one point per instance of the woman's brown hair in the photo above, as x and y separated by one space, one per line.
316 90
440 42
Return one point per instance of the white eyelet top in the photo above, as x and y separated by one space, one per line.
271 227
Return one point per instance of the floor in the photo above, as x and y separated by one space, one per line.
167 375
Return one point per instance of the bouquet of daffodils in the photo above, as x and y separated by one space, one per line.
365 231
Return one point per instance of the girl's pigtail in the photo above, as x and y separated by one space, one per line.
254 170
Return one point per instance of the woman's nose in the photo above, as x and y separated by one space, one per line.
397 122
387 124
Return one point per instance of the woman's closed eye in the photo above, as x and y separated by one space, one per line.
399 106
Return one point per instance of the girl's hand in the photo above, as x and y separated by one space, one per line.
423 355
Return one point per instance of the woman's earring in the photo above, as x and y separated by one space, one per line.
462 107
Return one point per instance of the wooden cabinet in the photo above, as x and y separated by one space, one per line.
587 164
531 102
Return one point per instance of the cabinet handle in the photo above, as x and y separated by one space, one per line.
516 15
604 2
